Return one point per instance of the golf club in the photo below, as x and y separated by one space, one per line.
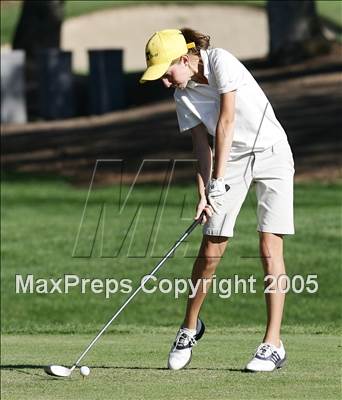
61 371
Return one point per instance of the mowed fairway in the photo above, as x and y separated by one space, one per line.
40 225
131 365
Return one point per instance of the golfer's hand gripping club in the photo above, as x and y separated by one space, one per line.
214 202
216 192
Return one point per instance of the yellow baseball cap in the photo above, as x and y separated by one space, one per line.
162 48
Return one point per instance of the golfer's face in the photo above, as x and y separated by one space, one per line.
177 76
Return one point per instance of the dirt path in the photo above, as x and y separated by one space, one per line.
242 30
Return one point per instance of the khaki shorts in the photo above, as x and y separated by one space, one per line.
272 173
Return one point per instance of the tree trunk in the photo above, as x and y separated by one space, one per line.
39 27
295 31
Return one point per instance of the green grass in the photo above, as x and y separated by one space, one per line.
131 365
9 17
330 10
40 221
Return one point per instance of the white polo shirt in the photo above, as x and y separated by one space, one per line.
256 126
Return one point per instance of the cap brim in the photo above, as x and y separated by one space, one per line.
154 72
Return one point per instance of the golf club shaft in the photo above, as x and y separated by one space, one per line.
155 269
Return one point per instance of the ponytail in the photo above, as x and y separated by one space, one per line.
202 42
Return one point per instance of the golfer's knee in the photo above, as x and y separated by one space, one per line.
208 264
271 253
271 245
211 252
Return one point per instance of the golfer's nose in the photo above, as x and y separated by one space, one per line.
166 82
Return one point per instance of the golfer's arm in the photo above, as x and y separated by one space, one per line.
203 153
224 133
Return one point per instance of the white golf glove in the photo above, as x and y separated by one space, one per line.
216 192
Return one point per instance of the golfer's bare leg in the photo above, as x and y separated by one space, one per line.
210 253
271 251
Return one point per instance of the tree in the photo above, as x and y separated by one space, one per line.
39 27
295 31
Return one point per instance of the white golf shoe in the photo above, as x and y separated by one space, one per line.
267 358
181 350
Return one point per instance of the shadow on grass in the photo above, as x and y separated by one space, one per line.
17 176
21 367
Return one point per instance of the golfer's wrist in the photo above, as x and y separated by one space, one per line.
202 197
202 193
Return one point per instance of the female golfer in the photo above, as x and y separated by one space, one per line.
216 95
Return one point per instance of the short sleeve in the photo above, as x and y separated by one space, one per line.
226 70
186 119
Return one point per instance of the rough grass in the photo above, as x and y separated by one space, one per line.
40 222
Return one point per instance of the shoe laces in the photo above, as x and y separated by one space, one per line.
264 350
183 339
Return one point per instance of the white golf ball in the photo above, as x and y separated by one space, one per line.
85 371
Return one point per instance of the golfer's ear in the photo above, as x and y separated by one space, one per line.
184 59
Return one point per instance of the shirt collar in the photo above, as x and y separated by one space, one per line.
204 57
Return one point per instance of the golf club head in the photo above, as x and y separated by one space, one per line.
57 370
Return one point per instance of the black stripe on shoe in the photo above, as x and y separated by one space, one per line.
200 329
